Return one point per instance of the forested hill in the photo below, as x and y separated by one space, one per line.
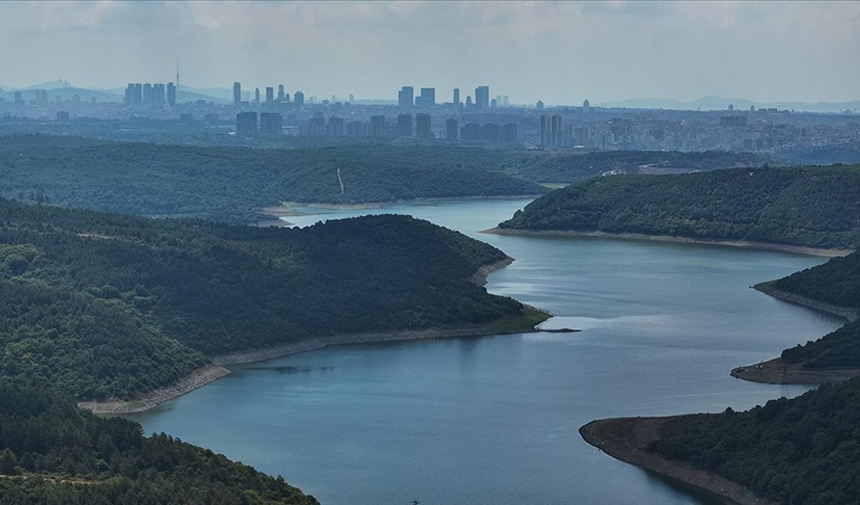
103 305
805 206
52 453
800 451
836 282
231 184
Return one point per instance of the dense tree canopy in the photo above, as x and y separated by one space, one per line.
232 184
811 206
110 305
803 451
56 454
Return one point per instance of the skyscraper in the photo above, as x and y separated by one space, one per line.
270 123
237 93
377 126
257 95
280 92
406 97
422 126
171 94
246 123
335 126
270 94
509 132
427 97
451 129
456 96
404 125
482 97
550 130
147 94
299 98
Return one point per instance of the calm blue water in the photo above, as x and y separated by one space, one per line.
494 420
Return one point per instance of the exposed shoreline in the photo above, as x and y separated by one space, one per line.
626 439
776 371
197 378
216 370
809 251
286 209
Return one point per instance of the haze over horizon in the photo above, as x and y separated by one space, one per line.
565 52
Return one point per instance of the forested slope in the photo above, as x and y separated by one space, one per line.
105 305
232 184
809 206
803 451
56 454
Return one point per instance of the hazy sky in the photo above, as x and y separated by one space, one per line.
560 52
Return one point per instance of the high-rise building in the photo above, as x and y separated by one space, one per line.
405 97
427 98
506 101
237 93
355 129
490 132
280 92
137 95
586 105
550 130
270 94
468 101
404 125
171 94
456 96
377 126
335 126
129 91
316 124
147 94
299 98
158 96
351 98
246 123
270 123
509 132
493 103
257 95
422 126
482 97
451 129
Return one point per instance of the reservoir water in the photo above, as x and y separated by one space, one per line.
494 420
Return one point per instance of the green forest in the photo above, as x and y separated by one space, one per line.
808 206
232 184
56 454
109 306
802 451
836 282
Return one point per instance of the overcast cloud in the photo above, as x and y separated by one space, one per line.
560 52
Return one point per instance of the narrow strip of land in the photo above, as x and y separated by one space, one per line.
809 251
627 439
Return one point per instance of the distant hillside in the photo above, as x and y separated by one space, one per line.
102 305
813 206
51 452
232 184
721 103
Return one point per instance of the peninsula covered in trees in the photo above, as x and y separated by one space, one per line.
110 306
798 206
232 184
54 453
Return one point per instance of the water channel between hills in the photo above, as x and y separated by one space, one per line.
494 420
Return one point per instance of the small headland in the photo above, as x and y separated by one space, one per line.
627 439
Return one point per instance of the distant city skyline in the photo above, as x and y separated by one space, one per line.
560 53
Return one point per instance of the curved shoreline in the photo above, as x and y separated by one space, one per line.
776 371
627 439
216 370
808 251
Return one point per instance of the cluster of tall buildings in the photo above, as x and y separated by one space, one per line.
154 96
270 123
298 97
406 98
